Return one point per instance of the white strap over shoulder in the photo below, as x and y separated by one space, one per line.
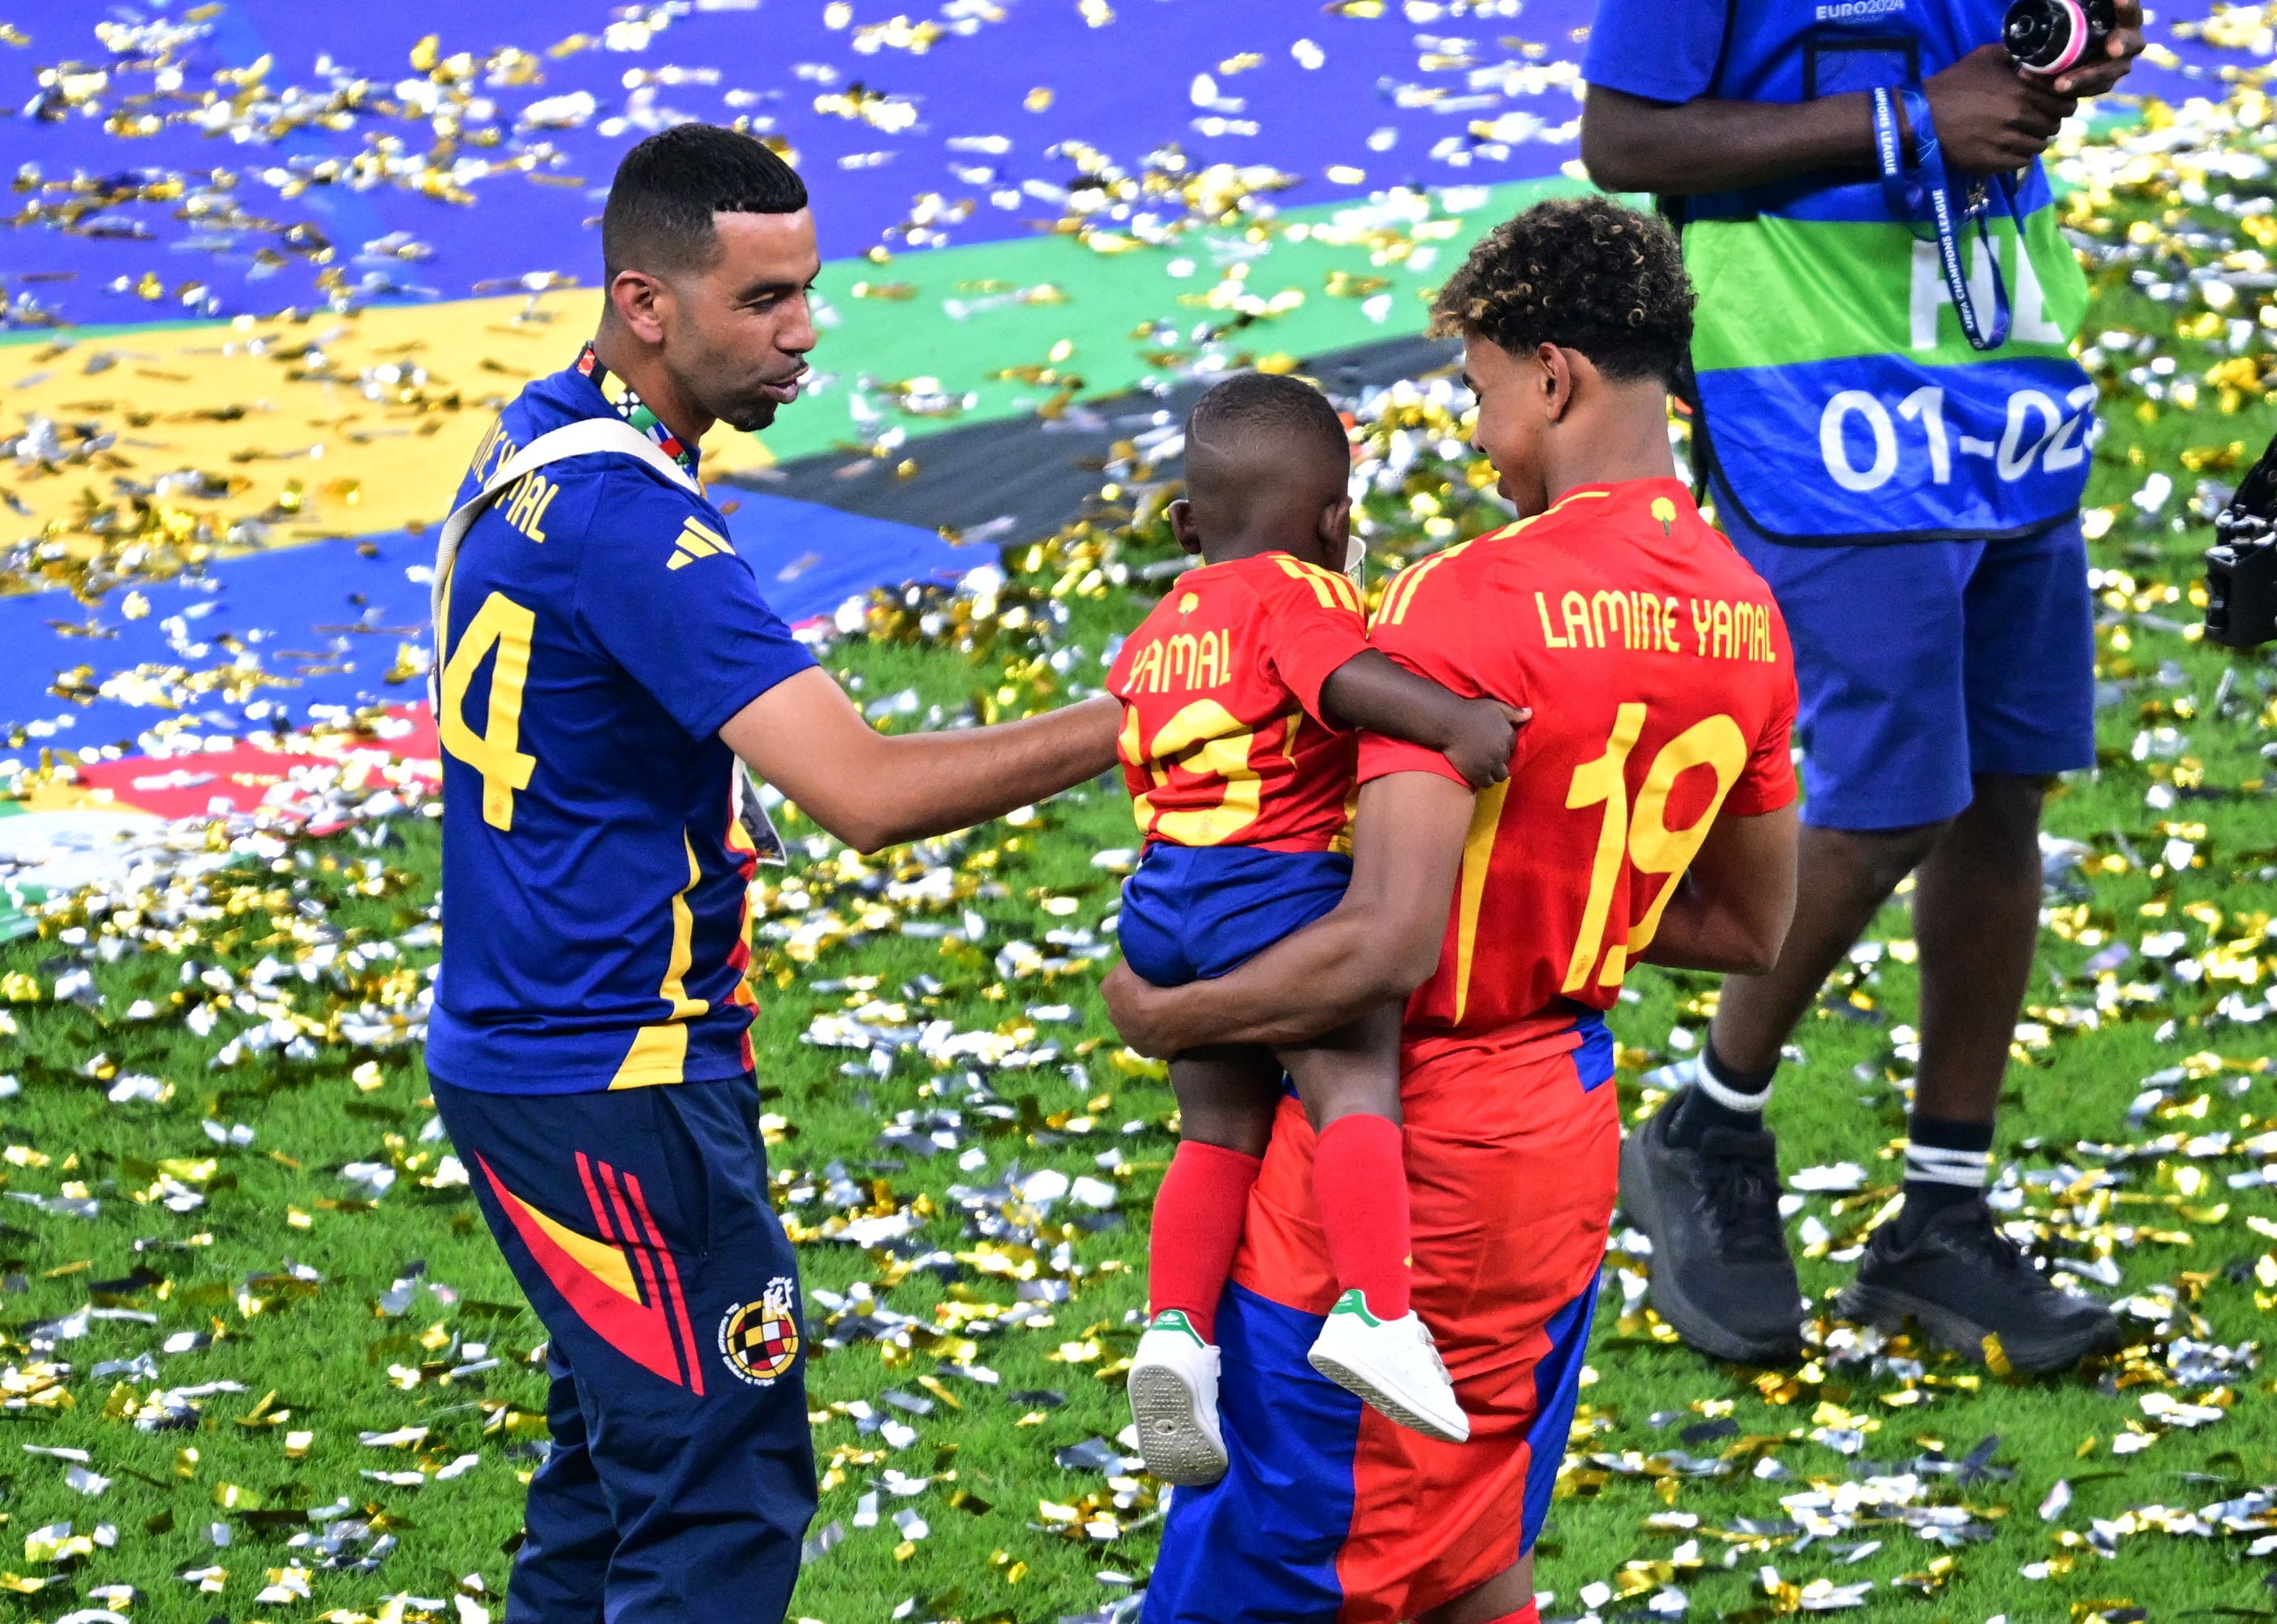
584 437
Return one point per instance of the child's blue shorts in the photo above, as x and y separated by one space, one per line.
1192 913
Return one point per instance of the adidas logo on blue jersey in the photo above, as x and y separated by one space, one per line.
697 540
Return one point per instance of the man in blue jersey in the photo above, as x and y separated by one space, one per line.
605 659
1894 432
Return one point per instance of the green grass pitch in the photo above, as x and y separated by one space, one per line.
331 1315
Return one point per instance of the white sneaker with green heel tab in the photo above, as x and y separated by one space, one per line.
1173 1386
1392 1364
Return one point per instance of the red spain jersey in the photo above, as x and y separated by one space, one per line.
1223 742
1662 690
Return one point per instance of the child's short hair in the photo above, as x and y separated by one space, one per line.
1584 273
1268 406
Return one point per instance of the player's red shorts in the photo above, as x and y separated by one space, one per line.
1328 1512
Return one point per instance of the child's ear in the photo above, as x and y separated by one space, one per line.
1183 529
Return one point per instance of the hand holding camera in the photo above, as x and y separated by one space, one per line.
2081 46
1990 118
1999 107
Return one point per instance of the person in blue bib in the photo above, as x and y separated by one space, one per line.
607 668
1888 416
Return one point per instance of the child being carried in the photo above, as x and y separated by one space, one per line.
1240 693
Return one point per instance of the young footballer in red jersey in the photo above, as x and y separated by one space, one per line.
1239 691
1647 817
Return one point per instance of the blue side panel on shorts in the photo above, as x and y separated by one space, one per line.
1195 913
1593 1060
1557 1389
1259 1546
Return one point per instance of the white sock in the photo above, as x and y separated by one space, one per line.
1731 1099
1969 1170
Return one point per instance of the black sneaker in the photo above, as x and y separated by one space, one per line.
1963 1282
1720 1271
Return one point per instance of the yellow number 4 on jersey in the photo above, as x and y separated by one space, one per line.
495 753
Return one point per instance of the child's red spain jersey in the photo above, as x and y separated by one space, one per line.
1663 689
1223 742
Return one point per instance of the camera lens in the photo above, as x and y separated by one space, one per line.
2046 36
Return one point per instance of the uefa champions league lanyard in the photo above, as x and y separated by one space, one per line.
1927 185
633 409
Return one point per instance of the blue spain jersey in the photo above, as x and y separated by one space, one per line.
601 630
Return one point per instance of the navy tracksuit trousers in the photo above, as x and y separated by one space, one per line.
682 1478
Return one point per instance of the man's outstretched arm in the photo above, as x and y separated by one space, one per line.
871 790
1733 905
1379 944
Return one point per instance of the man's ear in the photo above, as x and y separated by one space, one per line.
637 299
1556 384
1183 529
1336 525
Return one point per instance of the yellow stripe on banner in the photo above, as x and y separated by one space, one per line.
1478 857
659 1052
241 401
605 1263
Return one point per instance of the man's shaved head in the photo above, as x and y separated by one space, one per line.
1261 440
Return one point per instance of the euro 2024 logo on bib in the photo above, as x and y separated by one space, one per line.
760 1340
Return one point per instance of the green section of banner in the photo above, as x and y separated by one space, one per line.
964 317
1778 292
957 315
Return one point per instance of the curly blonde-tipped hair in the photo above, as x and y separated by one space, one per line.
1583 273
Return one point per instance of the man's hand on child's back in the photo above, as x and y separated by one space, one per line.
1483 735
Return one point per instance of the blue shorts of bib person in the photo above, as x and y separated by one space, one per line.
1192 913
680 1478
1921 664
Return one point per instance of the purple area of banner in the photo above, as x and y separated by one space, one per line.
1382 96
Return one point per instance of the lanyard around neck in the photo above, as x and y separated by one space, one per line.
629 405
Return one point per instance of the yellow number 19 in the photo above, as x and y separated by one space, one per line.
1209 742
1644 837
496 751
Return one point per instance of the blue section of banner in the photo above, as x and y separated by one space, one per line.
886 128
329 619
973 122
1992 449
